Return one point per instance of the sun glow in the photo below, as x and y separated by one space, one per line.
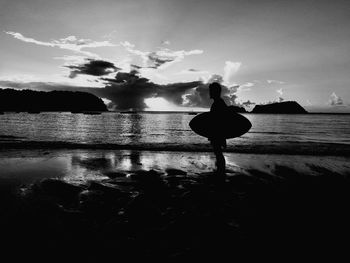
159 104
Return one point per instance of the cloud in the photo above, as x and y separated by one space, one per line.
71 43
174 92
126 91
158 60
161 58
72 59
108 103
38 85
230 70
19 78
140 67
192 71
126 77
199 97
131 49
92 67
110 35
166 42
248 103
246 86
280 92
273 81
165 57
335 100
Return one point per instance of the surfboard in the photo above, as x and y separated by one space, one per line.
228 125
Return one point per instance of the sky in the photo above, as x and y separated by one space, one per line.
162 54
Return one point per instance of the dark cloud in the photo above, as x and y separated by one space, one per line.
128 90
126 77
175 92
92 67
159 60
248 103
136 67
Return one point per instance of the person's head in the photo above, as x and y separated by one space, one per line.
214 90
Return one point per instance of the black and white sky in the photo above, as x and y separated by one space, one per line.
161 54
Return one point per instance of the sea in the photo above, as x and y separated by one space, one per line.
302 134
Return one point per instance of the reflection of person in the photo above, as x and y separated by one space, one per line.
218 109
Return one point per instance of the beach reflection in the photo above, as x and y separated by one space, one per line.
80 166
94 166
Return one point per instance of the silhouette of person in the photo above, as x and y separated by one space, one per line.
218 109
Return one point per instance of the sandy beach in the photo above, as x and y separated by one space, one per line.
170 206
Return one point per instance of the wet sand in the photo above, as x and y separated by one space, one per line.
142 205
79 166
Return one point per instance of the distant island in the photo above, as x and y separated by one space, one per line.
286 107
37 101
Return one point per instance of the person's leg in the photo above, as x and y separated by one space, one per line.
220 159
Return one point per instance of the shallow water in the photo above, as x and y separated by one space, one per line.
270 133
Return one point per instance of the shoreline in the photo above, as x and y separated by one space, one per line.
182 112
288 148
